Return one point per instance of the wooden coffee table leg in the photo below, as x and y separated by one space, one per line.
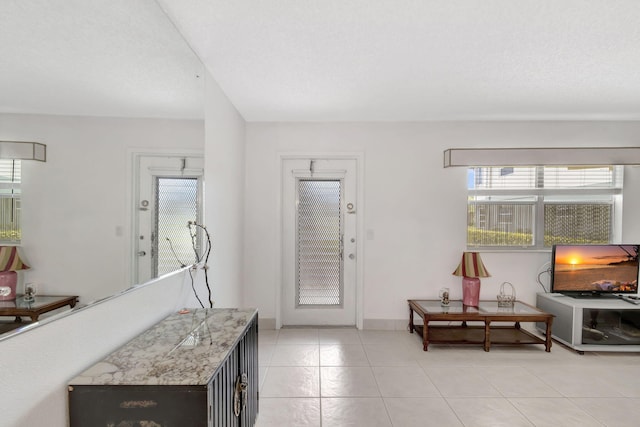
410 319
487 335
547 344
425 334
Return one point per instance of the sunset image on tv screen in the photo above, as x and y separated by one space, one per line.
596 268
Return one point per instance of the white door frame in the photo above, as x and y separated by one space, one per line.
133 185
359 158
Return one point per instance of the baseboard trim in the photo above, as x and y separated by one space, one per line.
372 324
266 323
386 324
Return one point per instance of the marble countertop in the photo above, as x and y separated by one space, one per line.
182 349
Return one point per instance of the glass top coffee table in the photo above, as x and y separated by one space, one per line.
34 308
488 313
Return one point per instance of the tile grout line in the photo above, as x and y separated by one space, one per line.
319 384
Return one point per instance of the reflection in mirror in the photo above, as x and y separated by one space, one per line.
169 196
96 81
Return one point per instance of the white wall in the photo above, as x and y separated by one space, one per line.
76 206
36 365
224 194
414 208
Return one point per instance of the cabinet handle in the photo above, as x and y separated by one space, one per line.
240 395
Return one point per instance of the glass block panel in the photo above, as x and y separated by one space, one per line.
319 246
176 205
577 223
500 224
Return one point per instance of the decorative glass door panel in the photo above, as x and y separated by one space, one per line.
177 203
319 243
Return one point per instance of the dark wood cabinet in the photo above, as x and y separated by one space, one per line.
199 369
234 390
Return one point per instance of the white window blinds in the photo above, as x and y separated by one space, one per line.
545 177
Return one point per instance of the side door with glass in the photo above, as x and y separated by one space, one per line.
319 260
169 195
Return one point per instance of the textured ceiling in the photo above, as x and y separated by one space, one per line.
121 58
419 59
324 60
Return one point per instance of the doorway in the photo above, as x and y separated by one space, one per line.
168 196
319 242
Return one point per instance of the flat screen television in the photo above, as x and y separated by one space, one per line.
594 270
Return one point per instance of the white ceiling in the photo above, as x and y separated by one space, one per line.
121 58
326 60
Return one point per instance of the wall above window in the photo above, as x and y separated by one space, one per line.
23 150
583 156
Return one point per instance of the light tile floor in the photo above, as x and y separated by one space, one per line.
346 377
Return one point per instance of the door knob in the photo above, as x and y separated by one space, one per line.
142 253
352 256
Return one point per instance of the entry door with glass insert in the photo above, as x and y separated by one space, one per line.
319 242
169 196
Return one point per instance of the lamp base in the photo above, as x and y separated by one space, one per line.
8 280
470 291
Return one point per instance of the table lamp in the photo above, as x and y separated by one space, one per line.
471 269
10 262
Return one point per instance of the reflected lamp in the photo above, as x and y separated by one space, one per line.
10 262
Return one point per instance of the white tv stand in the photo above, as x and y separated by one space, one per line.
592 324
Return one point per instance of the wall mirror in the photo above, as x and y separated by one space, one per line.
96 81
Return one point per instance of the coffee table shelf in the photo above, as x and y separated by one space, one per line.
488 313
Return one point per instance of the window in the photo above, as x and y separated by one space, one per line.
10 230
536 207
